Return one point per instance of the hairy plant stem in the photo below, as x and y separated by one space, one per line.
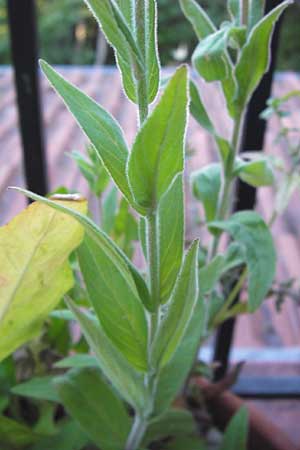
224 203
137 433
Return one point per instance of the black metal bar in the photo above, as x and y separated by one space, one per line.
22 22
253 139
268 387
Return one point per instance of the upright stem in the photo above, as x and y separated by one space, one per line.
244 8
224 202
136 434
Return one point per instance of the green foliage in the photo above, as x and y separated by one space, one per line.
236 434
107 426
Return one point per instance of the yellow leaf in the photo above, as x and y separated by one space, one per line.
34 268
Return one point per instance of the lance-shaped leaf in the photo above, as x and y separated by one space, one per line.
249 229
122 23
234 9
34 269
171 234
115 301
110 248
158 151
254 169
100 127
181 307
199 113
116 368
257 48
173 375
206 185
256 12
95 406
204 28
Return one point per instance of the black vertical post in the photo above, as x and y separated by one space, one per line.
23 32
253 140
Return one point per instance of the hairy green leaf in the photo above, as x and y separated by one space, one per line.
95 406
257 48
122 22
109 210
102 240
234 9
100 127
249 229
256 12
115 367
200 21
157 154
173 375
171 233
116 302
236 433
34 269
179 313
206 184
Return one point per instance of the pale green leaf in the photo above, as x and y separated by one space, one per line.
200 21
249 229
173 423
100 127
236 433
254 169
158 153
206 184
256 12
122 22
115 367
94 405
102 240
234 9
34 269
171 234
173 375
39 388
77 361
180 309
257 48
116 302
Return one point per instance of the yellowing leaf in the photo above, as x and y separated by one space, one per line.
34 269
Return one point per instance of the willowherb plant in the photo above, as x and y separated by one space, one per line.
144 332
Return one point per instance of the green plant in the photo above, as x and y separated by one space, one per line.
144 332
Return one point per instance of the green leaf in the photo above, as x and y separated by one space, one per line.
69 437
99 126
206 185
175 422
236 433
256 12
15 435
95 406
109 209
173 375
103 241
171 234
286 189
199 113
234 9
210 59
202 24
249 229
39 388
180 310
211 273
158 153
77 362
257 48
119 22
34 269
254 169
116 302
124 378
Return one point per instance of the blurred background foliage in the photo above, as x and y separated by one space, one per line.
68 33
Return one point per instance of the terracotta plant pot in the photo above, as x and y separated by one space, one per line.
263 434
